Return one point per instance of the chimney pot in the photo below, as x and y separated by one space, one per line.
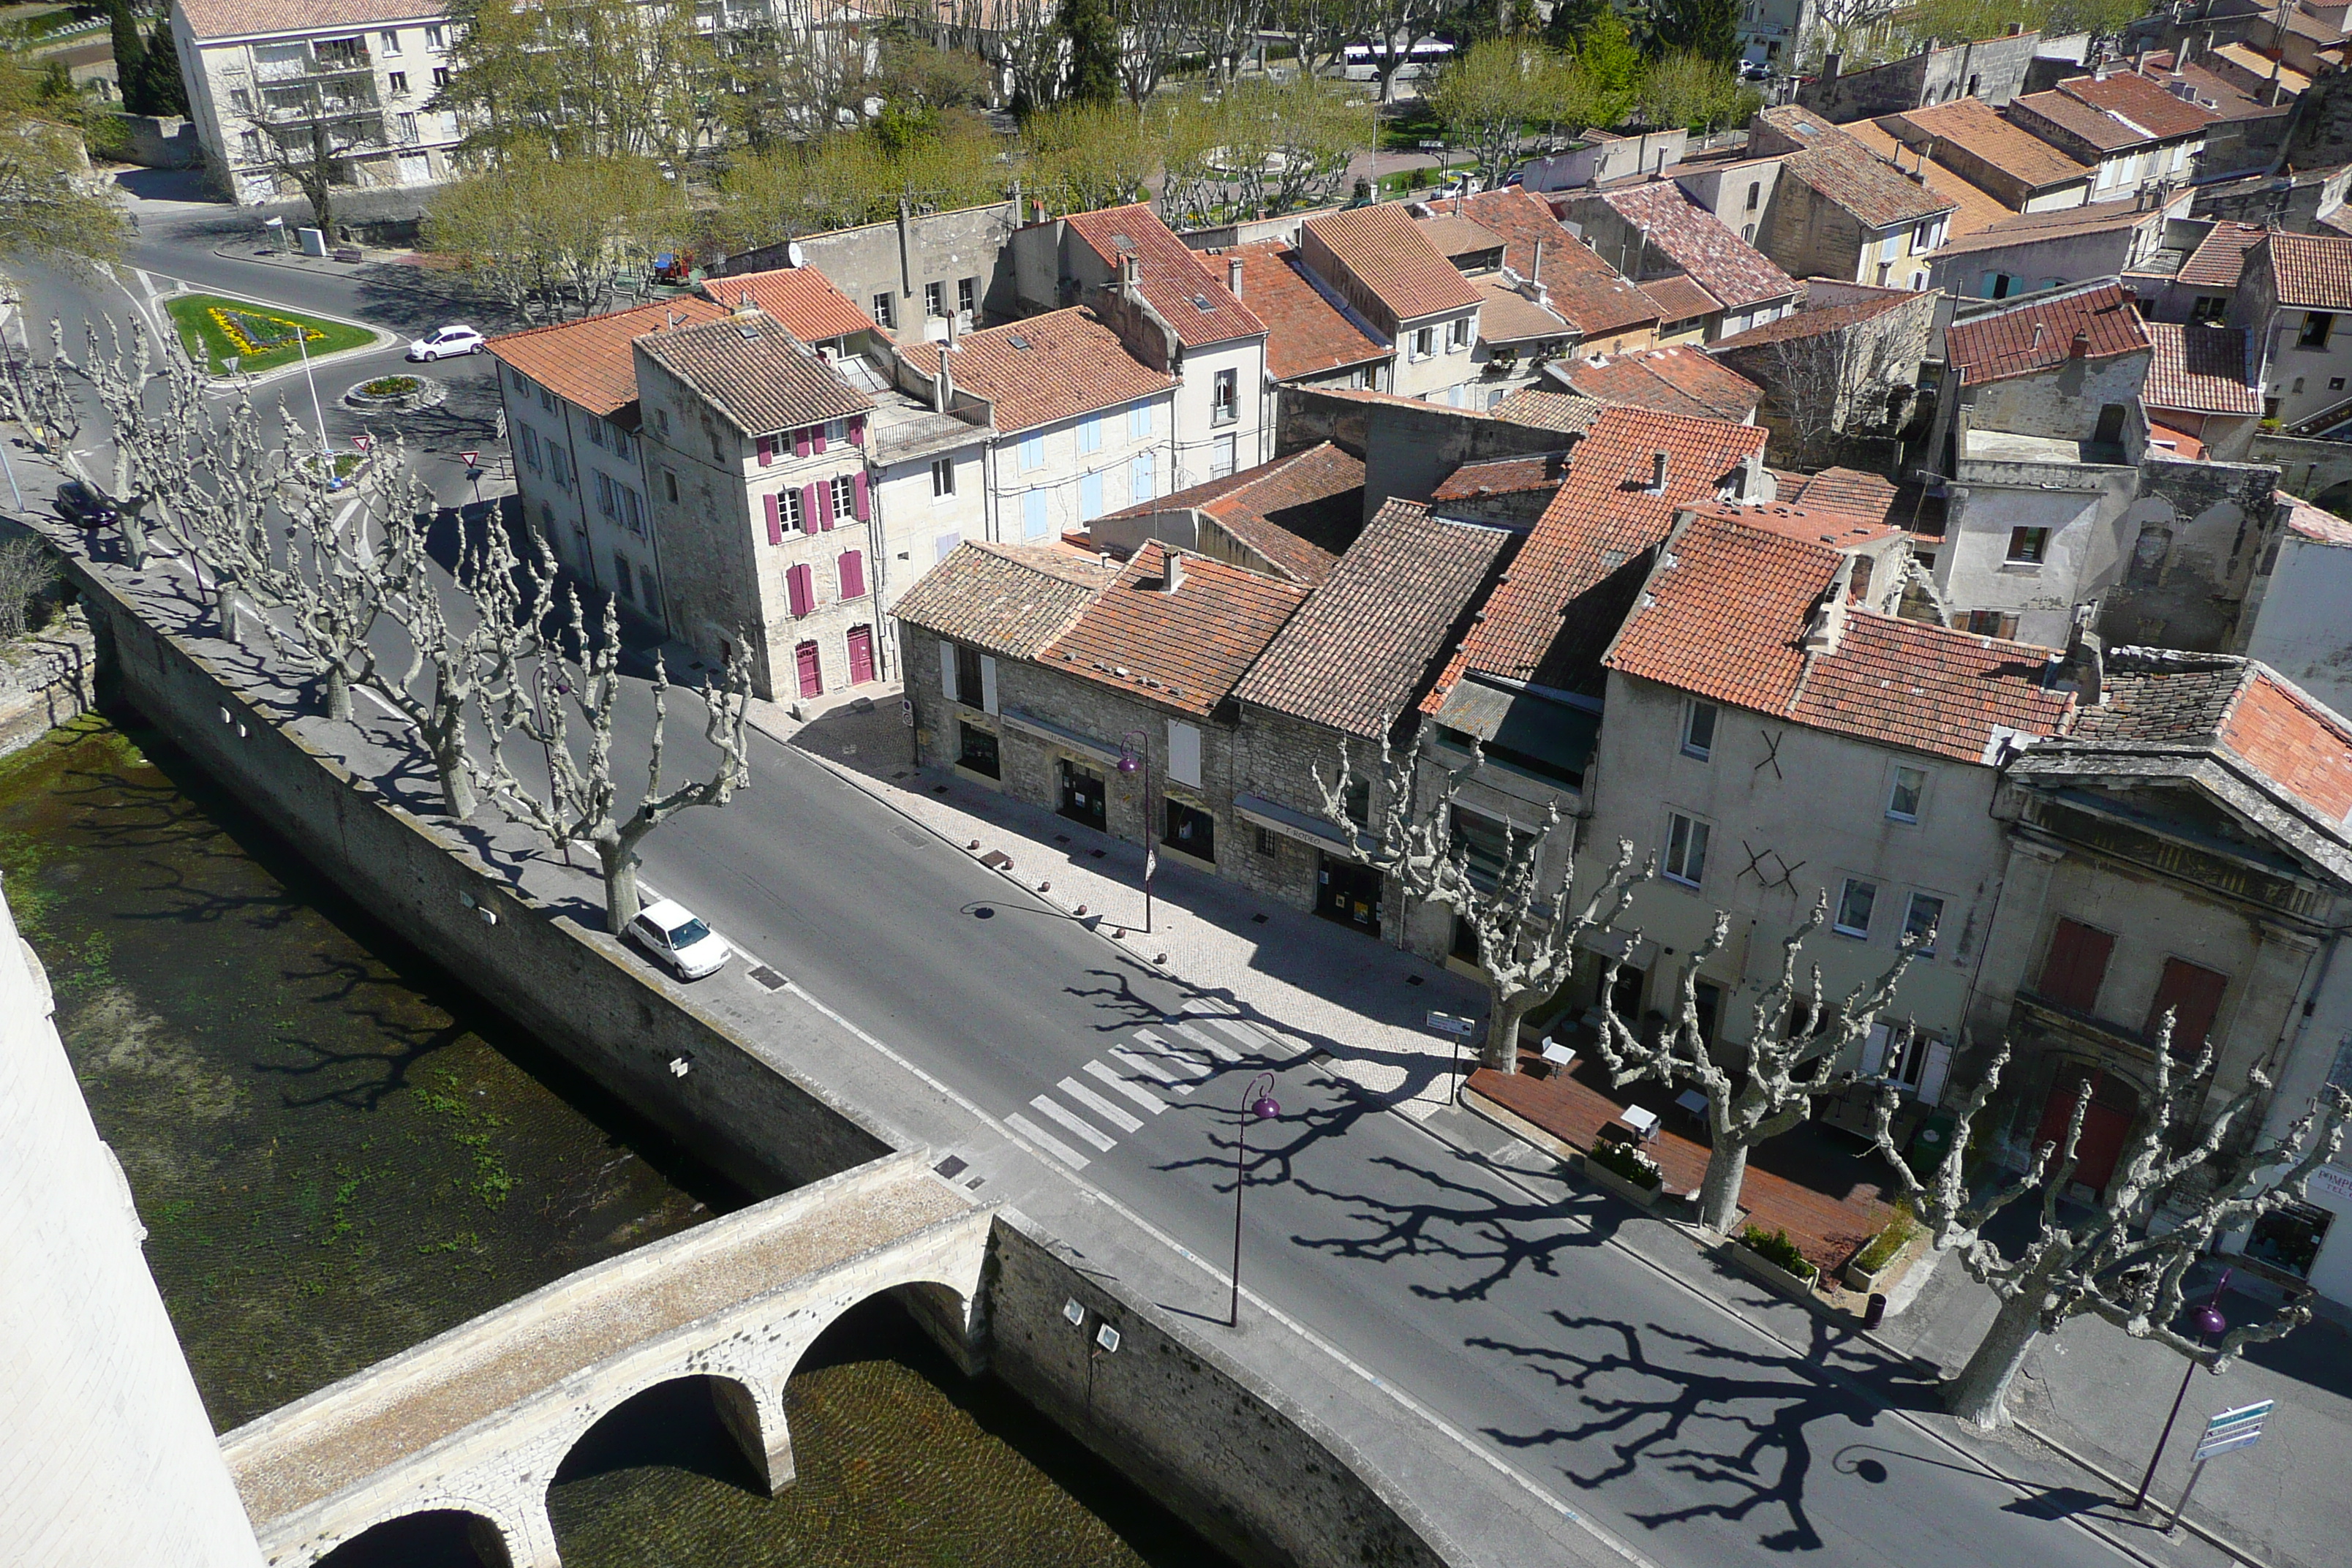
1233 275
1657 473
1172 574
2081 347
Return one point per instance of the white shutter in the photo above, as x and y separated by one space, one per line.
1184 754
1874 1051
987 684
1931 1079
947 670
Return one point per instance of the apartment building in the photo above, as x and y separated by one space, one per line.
1838 210
2295 299
1378 260
2132 131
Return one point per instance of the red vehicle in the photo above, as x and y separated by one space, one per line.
673 267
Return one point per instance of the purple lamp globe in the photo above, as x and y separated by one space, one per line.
1128 765
1265 1109
2209 1321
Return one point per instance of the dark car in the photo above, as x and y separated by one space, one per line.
82 506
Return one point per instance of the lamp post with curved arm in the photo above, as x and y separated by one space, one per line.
1257 1105
1129 765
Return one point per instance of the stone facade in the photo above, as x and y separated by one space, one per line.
580 481
890 269
1991 69
1407 448
2191 545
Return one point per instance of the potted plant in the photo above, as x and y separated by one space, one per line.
1882 1261
1777 1261
1622 1169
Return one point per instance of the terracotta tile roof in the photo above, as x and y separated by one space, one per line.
1298 511
1562 410
1594 297
1582 564
1843 170
1187 649
802 298
2317 523
1857 494
1047 368
1790 519
236 18
2136 102
1387 252
2219 259
1972 209
1974 126
1360 651
1307 332
588 361
2181 442
2258 66
1724 265
1508 316
755 373
1679 298
2226 98
1677 379
2202 369
1456 237
1504 476
1811 324
1178 285
2313 271
1724 615
2293 741
2062 223
2038 333
1004 599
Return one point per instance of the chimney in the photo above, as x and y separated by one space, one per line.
2081 347
743 306
2084 664
1826 625
2139 61
1233 275
955 332
1171 569
1830 63
1535 269
1657 473
1126 276
2015 29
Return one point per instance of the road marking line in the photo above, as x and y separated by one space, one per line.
1206 1041
1099 1105
1257 1040
1150 1069
1187 1065
1045 1141
1134 1091
1075 1122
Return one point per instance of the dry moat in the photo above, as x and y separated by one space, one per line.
338 1153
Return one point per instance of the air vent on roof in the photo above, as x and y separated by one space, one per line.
1017 341
1202 302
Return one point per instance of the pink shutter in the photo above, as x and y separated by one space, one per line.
798 589
816 438
857 435
767 445
853 574
857 495
825 506
776 518
800 443
809 523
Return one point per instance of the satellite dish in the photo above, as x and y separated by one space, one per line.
794 256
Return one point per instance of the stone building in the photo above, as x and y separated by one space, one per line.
913 274
2293 299
1654 231
2040 250
2007 162
1993 70
1292 517
2200 395
2131 131
763 502
1605 311
1840 211
1313 337
1679 378
2294 620
1839 375
1378 260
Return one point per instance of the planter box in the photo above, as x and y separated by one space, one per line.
1887 1274
1777 1280
1609 1181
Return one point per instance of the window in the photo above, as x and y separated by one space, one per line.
800 589
976 750
559 466
1483 846
1991 623
1457 335
785 514
1032 451
1357 802
1884 268
1090 497
1902 796
1698 730
717 450
1142 477
633 513
1686 849
604 501
440 76
851 568
835 432
1184 754
2287 1238
669 485
240 100
2192 994
1266 845
661 420
1424 342
2077 966
2027 546
844 495
2209 308
967 295
1032 515
1755 195
942 476
435 39
391 40
1221 456
398 80
2335 384
971 677
1139 422
1854 906
405 127
1190 831
547 400
934 302
621 575
1924 918
530 446
249 146
1090 433
1748 233
1223 398
2317 326
883 317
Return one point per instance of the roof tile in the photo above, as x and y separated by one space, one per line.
1697 242
1845 172
236 18
1594 297
1307 332
1009 600
2313 271
1045 368
758 376
588 361
2039 332
2202 369
1681 379
1974 126
802 298
1387 252
1187 649
1298 511
2219 259
1167 273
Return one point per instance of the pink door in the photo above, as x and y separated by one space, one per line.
812 677
861 655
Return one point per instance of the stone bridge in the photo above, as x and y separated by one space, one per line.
477 1420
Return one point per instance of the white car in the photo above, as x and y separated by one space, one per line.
448 341
675 935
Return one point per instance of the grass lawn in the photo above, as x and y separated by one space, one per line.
215 330
1404 182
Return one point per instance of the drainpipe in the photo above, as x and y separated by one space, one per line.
2291 1035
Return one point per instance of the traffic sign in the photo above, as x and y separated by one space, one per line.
364 443
1447 1024
471 459
2235 1429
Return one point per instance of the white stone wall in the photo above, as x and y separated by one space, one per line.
108 1454
2299 629
1061 475
1200 438
914 520
572 515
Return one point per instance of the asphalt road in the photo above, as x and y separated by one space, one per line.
1694 1436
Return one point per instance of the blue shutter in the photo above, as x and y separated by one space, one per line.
1090 502
1033 514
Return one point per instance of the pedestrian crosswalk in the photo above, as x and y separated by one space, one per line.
1146 1072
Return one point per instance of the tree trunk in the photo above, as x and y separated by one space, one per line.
1718 1194
621 900
458 796
339 693
224 611
1980 1394
1502 1048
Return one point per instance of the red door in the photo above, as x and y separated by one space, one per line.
811 675
861 655
2105 1125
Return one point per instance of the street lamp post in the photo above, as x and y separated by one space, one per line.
2209 1321
1257 1105
1129 766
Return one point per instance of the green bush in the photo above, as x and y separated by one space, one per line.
391 386
1778 1248
1625 1160
1882 1247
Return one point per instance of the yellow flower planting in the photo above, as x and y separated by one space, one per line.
251 332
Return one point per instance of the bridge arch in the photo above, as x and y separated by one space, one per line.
428 1537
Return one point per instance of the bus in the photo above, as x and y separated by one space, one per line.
1422 60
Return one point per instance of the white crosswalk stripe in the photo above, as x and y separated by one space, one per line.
1098 1105
1150 1069
1205 1040
1075 1122
1185 1062
1254 1039
1047 1140
1133 1090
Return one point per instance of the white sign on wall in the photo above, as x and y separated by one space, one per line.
2332 1182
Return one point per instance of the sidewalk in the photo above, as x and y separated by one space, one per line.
1363 1003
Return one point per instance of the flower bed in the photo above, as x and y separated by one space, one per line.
215 330
391 386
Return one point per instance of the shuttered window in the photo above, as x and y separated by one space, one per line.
799 590
2076 967
2193 994
853 574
